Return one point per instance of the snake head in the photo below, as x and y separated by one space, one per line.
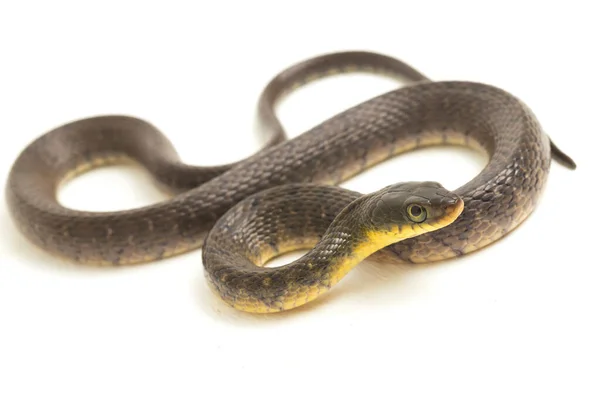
413 208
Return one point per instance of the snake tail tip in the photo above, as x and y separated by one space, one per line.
561 157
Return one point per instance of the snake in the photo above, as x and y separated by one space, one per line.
286 197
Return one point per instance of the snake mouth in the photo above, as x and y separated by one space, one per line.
451 212
446 215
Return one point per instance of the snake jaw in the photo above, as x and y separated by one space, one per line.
447 214
389 221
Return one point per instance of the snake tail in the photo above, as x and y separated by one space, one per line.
561 157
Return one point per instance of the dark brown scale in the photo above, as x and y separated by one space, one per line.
421 114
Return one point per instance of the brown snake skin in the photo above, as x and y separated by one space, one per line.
424 113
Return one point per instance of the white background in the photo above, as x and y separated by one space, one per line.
518 320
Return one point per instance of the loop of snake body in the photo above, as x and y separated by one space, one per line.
284 197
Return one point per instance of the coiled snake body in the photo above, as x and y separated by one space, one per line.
284 197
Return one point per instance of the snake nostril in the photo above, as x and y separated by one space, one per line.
451 204
451 201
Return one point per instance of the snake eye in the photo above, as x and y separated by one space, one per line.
416 213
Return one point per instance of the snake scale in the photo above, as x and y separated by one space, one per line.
285 197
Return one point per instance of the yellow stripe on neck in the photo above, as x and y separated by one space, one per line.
375 240
378 239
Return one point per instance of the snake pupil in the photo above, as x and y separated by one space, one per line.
416 211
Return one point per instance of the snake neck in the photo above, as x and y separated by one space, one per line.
347 242
343 251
